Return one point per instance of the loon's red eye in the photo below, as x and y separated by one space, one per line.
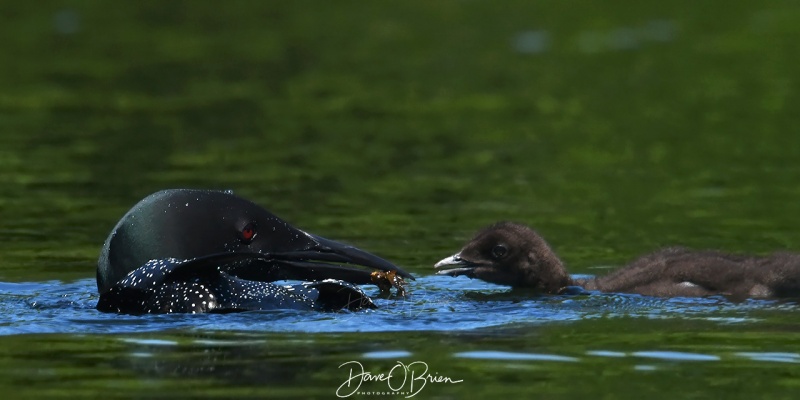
249 232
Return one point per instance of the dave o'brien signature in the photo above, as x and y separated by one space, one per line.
415 374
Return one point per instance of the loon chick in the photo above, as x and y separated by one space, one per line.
183 250
513 254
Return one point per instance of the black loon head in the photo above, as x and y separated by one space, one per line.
508 253
184 224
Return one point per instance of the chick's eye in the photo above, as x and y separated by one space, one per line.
248 233
499 251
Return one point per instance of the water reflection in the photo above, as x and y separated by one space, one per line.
534 42
675 355
391 354
67 22
241 364
626 38
510 356
605 353
773 357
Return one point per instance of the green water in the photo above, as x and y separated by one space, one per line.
402 127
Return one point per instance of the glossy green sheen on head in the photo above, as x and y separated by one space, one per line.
185 224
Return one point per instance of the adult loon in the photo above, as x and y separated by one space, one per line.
192 251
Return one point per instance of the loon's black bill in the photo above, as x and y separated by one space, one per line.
465 267
329 250
318 260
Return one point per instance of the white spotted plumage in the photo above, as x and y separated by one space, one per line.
213 291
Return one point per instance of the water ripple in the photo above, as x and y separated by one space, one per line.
435 304
772 356
676 355
511 356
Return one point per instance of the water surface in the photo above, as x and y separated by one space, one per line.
402 128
